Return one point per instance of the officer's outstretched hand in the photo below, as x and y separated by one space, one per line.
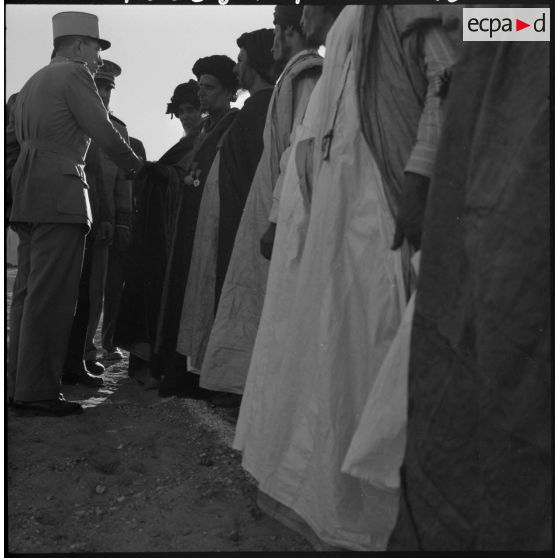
408 223
142 173
157 171
266 241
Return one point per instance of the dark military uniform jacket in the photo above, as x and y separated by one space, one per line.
110 192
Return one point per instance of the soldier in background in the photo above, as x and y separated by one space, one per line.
115 207
111 206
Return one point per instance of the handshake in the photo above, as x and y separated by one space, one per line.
151 169
154 170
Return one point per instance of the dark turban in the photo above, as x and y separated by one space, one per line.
221 67
288 15
258 48
184 93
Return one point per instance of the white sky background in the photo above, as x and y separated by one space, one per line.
156 46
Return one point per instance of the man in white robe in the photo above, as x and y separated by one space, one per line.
230 344
316 360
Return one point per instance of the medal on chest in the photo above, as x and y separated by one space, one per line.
197 181
193 178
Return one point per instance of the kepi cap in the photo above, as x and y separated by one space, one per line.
108 72
77 23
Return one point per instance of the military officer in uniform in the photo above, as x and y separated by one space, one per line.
110 196
107 277
114 285
55 115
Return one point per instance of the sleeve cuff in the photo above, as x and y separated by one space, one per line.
422 160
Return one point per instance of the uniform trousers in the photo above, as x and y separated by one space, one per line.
76 346
97 280
114 287
45 292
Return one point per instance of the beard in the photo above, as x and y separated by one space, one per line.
313 41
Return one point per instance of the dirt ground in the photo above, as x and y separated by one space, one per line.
133 473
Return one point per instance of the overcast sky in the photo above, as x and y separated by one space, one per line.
156 46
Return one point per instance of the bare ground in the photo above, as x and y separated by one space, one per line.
134 473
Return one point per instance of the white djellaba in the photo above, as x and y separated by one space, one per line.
332 310
377 449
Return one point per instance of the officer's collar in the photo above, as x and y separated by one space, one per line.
60 59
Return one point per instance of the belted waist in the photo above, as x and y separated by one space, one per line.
52 147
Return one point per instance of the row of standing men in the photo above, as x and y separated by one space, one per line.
275 256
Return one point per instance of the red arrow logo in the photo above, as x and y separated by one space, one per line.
519 25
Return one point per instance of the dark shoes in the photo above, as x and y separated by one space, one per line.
185 384
82 377
145 379
50 407
94 367
226 400
113 354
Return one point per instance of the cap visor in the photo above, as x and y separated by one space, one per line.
104 44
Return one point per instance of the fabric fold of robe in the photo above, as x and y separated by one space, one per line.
263 382
156 203
478 468
392 88
349 301
199 294
378 445
172 298
221 208
240 156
